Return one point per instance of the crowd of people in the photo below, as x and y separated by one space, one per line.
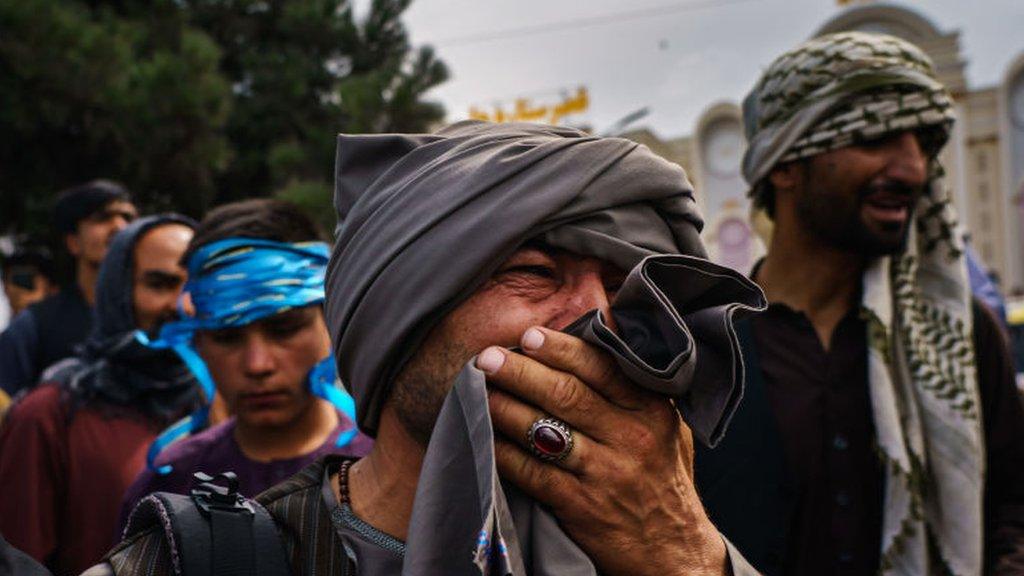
514 357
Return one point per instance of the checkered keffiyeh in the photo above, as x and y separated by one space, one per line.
839 90
845 89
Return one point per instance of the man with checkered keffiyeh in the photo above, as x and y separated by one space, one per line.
880 431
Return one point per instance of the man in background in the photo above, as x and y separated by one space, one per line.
28 277
71 446
87 217
880 431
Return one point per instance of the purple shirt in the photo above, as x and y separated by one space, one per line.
215 450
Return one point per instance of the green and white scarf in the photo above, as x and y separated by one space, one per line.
841 90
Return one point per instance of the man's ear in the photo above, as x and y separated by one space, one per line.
786 176
73 244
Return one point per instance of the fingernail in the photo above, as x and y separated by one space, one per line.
490 360
532 339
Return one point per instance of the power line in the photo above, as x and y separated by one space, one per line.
577 23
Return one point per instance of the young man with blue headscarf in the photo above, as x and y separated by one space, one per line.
253 330
70 448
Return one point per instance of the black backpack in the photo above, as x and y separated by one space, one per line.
214 530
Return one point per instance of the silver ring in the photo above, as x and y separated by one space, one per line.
550 439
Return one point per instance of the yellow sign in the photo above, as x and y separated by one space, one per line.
524 110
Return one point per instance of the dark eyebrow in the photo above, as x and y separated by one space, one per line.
110 211
162 276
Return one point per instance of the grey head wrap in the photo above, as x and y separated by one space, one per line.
426 219
114 370
844 89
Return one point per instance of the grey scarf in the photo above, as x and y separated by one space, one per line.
425 220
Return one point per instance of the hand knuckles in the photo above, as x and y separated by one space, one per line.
605 369
580 354
567 394
664 415
535 475
518 368
499 405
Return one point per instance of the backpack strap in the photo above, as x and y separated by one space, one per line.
213 531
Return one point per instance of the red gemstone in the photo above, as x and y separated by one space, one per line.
549 440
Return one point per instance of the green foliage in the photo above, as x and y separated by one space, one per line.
193 103
315 198
86 93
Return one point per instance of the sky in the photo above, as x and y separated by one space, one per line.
676 57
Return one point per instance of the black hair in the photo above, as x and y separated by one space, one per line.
79 202
763 197
36 258
263 218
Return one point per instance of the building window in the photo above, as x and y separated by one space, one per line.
981 161
985 221
983 191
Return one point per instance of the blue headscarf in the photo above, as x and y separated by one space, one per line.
235 282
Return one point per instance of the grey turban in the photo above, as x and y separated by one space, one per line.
426 219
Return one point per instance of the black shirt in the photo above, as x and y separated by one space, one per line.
822 406
44 333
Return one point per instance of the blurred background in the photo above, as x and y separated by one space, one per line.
193 103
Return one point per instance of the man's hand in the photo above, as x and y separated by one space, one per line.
625 492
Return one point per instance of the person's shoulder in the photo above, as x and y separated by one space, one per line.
144 554
308 479
21 333
22 321
301 513
41 404
67 304
50 302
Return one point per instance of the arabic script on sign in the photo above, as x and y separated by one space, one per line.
523 110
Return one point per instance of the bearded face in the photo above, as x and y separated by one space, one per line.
861 199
